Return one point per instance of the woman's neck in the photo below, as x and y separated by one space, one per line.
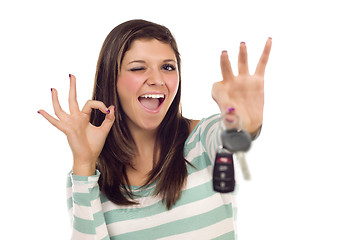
143 161
144 140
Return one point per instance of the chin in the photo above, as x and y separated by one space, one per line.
152 125
149 123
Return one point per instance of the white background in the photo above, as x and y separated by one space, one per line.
305 166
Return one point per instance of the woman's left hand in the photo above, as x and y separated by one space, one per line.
244 93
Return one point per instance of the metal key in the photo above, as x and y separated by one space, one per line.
244 167
238 142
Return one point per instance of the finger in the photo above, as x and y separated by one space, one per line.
225 65
73 104
93 104
56 105
55 122
243 66
260 69
109 119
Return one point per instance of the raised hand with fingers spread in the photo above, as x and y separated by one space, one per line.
86 140
243 93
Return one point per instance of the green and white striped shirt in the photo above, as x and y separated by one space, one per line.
200 213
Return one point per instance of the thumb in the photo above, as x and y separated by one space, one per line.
109 119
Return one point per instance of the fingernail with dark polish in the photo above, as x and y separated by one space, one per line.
114 109
69 75
242 43
38 112
230 109
108 111
51 89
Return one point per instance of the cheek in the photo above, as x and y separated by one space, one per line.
127 85
173 85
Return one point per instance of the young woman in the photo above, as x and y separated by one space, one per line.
141 170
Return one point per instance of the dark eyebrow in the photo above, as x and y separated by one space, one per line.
137 61
169 60
142 61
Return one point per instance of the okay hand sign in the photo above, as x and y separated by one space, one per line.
86 140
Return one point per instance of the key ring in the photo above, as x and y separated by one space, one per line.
222 149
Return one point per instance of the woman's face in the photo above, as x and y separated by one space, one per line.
147 83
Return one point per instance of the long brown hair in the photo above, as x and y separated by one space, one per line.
169 171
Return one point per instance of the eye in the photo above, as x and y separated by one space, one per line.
168 67
134 69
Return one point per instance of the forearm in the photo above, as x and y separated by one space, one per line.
85 208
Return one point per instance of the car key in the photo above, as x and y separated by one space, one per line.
223 172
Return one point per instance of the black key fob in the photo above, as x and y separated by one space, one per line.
235 141
223 173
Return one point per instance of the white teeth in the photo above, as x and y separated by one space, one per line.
153 96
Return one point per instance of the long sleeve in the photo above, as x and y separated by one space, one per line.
84 205
210 132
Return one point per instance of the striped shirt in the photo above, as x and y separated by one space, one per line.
200 213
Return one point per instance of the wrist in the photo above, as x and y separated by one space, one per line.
84 169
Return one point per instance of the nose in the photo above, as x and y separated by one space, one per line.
155 78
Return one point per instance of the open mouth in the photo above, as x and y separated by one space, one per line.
151 102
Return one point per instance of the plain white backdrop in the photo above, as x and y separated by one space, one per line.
306 163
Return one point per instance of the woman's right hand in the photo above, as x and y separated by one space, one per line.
86 140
